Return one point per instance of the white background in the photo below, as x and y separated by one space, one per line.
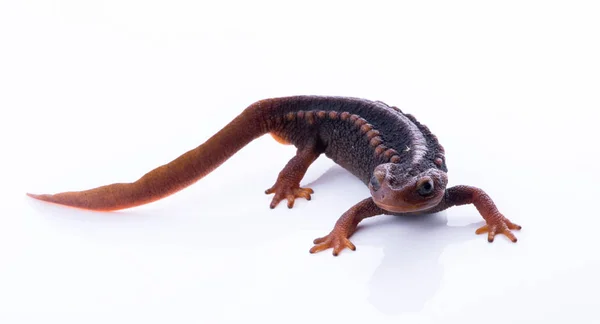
95 92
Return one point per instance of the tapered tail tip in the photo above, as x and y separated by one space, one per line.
39 197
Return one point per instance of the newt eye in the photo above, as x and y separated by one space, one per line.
375 184
376 179
425 187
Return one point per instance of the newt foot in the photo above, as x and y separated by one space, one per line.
337 241
499 226
287 192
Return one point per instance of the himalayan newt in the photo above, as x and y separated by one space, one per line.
398 158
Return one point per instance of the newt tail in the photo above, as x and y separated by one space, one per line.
176 175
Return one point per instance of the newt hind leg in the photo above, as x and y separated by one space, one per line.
287 185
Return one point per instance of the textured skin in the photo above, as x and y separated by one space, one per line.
397 157
350 131
288 181
346 226
496 222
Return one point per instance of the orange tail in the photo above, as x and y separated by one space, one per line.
168 179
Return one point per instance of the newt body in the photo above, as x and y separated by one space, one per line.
397 157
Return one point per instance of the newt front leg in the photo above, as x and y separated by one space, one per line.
338 238
287 185
496 223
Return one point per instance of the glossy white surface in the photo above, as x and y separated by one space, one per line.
95 93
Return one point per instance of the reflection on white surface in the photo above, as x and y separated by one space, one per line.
410 272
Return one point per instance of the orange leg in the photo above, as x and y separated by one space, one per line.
338 238
496 223
287 185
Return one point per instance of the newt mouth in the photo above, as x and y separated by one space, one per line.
405 208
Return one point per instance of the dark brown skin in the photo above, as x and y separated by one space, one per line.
398 158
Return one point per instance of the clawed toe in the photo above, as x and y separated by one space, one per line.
337 241
501 226
290 194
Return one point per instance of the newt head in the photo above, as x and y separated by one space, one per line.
396 190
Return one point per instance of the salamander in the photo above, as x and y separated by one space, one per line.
398 158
